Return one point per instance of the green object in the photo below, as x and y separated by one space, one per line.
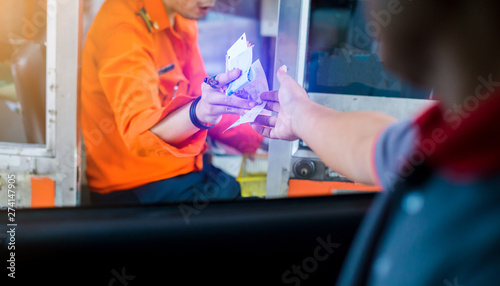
145 16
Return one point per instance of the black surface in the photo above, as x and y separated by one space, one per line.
237 243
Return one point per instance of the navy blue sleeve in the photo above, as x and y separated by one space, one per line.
391 150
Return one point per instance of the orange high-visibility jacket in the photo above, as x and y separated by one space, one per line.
123 96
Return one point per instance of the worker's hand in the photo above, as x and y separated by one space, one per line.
285 101
214 103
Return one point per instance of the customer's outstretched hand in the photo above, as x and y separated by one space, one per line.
285 102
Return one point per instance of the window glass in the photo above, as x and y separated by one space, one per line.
343 53
22 71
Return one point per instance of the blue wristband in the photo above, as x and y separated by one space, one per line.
192 115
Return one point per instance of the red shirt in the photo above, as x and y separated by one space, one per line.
123 96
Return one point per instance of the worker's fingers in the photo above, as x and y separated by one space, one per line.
269 96
266 120
217 110
222 79
226 78
218 98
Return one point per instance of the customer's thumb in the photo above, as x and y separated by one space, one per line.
282 73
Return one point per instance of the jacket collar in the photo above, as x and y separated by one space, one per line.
157 15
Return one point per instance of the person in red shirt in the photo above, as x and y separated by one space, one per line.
438 218
146 112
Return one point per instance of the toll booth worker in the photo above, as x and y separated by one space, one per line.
438 221
146 112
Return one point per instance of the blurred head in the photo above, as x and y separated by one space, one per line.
414 34
190 9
